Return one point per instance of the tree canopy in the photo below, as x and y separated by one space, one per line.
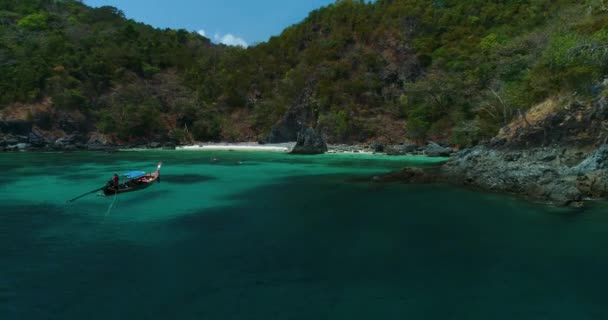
451 70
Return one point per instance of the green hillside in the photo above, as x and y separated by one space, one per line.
454 71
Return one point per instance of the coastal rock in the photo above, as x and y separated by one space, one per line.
66 140
169 146
20 147
410 175
309 142
435 150
295 120
597 160
98 139
154 145
377 147
402 149
537 173
36 140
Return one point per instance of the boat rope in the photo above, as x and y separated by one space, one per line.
111 204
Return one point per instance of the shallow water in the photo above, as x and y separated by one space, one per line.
272 236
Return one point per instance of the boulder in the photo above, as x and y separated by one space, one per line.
9 140
98 139
563 193
64 141
154 145
597 160
410 175
36 140
309 142
401 149
435 150
377 147
23 146
169 146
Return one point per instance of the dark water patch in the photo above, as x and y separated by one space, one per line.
29 220
5 180
186 178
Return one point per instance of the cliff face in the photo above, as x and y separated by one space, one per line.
556 152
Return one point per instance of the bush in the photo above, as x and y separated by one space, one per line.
206 129
34 22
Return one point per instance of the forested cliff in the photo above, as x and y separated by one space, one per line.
390 71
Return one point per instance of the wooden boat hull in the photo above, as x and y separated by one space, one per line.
133 184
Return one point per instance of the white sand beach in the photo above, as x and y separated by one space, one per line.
245 146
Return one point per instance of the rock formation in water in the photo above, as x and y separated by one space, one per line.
309 142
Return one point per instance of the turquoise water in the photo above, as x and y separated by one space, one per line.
273 236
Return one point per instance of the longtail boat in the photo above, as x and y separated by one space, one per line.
137 180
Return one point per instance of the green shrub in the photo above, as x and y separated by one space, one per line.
34 22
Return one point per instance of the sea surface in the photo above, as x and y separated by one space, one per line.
254 235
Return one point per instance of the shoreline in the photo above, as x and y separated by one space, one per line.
219 146
245 146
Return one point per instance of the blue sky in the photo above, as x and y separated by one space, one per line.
234 22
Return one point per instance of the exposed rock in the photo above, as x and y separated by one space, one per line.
309 142
295 120
169 146
98 139
402 149
377 147
36 140
154 145
410 175
9 140
597 160
538 173
22 146
65 140
435 150
341 148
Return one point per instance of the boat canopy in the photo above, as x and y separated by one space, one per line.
133 174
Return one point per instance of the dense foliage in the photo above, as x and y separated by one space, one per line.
444 69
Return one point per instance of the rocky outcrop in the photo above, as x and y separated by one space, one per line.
556 153
435 150
557 175
410 175
401 149
309 142
297 118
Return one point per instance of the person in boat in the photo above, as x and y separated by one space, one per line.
113 183
115 180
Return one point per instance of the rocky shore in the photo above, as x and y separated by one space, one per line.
38 141
555 153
